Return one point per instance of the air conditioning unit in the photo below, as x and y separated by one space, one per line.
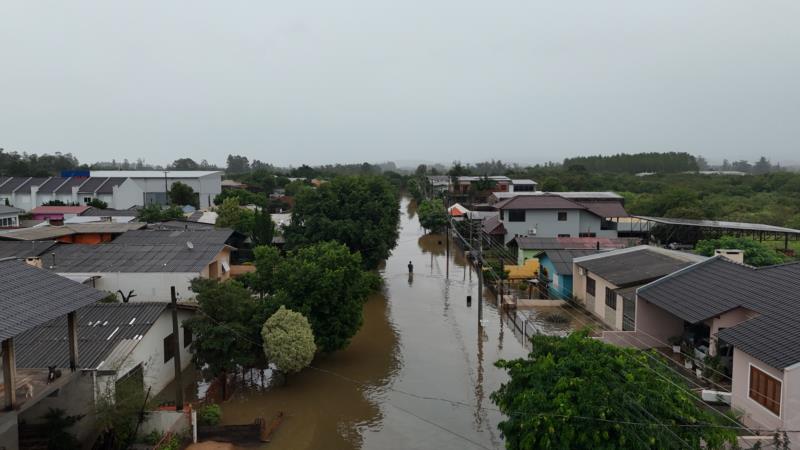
532 232
581 271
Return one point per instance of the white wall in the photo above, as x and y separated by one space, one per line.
150 353
126 195
149 287
546 223
756 415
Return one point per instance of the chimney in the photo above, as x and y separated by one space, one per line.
734 255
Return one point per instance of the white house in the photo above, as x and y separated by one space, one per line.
154 183
120 343
9 216
554 215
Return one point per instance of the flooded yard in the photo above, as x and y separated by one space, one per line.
417 375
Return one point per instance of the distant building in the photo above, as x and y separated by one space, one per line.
153 184
559 215
9 216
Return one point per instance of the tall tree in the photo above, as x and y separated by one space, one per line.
362 212
184 164
237 164
432 215
580 393
231 215
263 228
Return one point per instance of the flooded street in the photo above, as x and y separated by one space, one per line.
417 375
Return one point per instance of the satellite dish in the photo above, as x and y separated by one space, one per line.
189 244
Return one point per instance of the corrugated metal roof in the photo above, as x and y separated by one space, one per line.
154 173
109 212
719 224
188 232
51 232
59 209
31 297
107 332
10 210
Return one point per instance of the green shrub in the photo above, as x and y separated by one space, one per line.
209 414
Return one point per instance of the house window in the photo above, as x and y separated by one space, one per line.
611 299
187 337
564 235
589 235
516 215
87 199
169 348
562 216
590 286
765 390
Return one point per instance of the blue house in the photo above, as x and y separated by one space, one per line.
556 270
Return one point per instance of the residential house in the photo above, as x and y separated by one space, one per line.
56 215
9 216
32 297
154 184
749 317
552 215
82 233
599 280
555 274
522 185
25 249
142 265
119 343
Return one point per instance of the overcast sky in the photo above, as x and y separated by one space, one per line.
326 81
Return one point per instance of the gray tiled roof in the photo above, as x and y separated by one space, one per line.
109 212
10 210
66 188
25 188
108 186
538 202
91 185
101 328
31 297
12 184
52 232
635 267
134 258
195 235
24 249
562 259
717 285
51 185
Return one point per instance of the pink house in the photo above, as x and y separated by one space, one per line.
57 214
749 317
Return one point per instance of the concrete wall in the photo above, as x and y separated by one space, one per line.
126 195
726 320
148 287
656 322
596 304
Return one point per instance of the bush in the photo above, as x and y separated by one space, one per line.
209 415
555 317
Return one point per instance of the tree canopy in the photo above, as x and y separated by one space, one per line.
325 282
231 215
182 194
580 393
288 341
755 253
153 212
432 215
360 211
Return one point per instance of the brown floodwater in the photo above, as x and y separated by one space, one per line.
418 374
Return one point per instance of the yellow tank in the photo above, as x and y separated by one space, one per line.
529 270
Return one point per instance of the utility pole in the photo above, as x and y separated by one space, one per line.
166 189
447 248
177 356
480 282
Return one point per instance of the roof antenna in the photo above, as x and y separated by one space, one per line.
53 254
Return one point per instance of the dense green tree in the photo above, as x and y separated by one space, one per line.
237 164
231 215
432 215
243 197
580 393
263 228
641 162
266 259
182 194
293 188
325 282
362 212
288 341
154 212
755 253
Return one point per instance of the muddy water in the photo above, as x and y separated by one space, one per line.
418 375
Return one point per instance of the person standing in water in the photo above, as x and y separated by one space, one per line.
410 268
